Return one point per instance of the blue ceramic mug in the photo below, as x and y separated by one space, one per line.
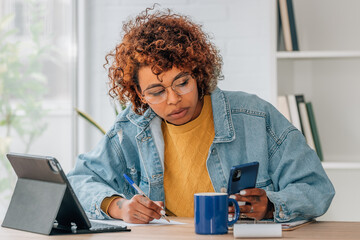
211 212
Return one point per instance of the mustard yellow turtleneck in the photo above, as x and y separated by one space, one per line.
186 151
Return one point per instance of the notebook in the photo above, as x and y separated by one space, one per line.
44 201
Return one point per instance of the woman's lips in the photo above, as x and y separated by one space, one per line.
178 113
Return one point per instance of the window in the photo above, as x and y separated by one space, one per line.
37 63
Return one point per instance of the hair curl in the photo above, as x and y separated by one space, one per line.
161 40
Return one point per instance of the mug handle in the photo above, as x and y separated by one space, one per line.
237 212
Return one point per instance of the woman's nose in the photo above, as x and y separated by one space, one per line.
172 96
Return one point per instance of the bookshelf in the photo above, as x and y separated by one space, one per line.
341 165
317 54
327 71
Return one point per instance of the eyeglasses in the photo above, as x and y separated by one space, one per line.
158 94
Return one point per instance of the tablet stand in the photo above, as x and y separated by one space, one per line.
34 206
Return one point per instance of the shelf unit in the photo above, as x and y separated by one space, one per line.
317 54
341 165
327 72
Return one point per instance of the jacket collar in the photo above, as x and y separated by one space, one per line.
141 121
224 128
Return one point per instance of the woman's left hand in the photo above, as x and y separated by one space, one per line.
259 205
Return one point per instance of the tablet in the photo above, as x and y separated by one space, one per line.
44 201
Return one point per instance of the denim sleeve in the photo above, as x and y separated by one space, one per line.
97 175
302 189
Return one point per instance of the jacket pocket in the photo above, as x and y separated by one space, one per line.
267 185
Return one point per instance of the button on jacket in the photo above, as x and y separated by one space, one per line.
247 129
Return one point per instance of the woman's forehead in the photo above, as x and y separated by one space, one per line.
146 76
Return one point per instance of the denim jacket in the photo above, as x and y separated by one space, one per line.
247 129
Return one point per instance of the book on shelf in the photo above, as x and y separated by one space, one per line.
314 130
283 107
280 34
301 114
288 26
293 33
306 125
300 99
285 25
294 111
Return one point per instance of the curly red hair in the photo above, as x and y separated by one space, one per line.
161 40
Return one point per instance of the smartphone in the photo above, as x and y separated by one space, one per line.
242 176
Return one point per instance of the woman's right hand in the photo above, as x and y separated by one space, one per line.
138 209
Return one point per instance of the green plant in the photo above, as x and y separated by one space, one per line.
90 120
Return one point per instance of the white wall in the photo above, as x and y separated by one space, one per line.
241 29
345 205
328 24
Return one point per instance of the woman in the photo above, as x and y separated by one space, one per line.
181 135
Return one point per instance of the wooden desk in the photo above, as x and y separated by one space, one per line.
318 230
